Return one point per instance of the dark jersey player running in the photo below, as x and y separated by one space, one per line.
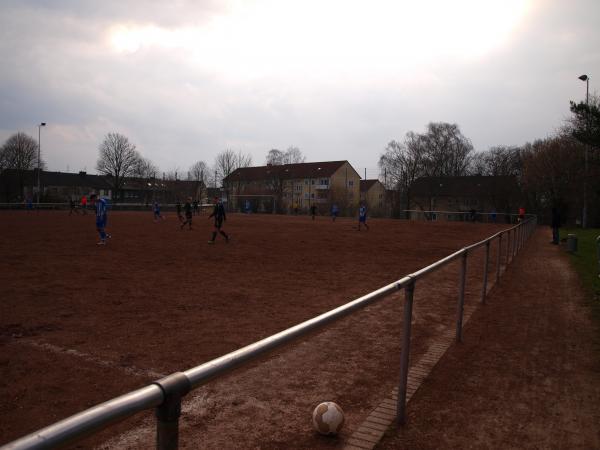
187 208
219 215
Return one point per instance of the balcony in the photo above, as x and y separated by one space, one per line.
321 187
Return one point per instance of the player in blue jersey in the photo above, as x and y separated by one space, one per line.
219 215
335 210
101 217
156 210
362 217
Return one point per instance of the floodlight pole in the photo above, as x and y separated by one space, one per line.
43 124
585 175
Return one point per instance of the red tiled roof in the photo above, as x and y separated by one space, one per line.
286 171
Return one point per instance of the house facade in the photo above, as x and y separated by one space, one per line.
373 196
294 188
59 187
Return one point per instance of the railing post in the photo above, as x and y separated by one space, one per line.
507 248
498 258
174 387
485 271
461 296
409 290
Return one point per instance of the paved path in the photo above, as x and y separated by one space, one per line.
527 374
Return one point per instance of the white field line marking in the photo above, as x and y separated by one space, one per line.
131 370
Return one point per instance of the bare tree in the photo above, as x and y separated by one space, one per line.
198 173
403 163
144 168
227 161
447 151
275 157
552 172
20 152
117 160
497 161
292 155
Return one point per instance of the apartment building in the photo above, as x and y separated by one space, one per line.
294 188
373 195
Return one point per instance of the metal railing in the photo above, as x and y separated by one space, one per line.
166 394
462 216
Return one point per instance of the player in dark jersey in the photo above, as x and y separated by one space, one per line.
178 208
188 210
220 217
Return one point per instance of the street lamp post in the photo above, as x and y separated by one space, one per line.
585 175
43 124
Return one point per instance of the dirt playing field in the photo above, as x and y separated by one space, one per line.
80 324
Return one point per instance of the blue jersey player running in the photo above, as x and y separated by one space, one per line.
101 218
362 217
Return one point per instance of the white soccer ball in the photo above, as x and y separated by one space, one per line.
328 418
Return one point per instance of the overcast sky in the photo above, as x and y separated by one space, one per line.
184 80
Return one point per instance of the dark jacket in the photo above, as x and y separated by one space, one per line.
218 212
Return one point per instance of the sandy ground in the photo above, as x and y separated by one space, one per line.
80 324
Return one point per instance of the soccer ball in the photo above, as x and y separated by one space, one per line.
328 418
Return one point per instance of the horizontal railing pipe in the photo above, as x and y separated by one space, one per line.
203 373
86 422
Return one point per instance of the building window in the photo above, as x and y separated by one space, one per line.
306 195
351 183
306 182
312 182
324 182
312 195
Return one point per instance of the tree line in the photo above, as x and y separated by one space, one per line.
119 159
551 172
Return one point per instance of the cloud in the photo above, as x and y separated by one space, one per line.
185 80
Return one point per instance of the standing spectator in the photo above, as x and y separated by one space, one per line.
555 225
521 214
84 204
313 211
220 217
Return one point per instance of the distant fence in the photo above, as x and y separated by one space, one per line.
462 216
166 394
65 206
